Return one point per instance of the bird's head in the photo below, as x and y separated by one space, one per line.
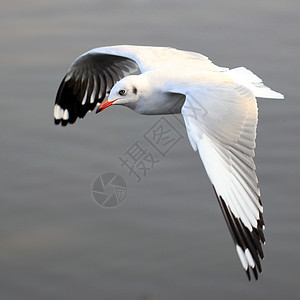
125 92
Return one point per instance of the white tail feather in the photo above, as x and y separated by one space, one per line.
246 78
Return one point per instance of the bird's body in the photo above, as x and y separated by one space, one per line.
218 106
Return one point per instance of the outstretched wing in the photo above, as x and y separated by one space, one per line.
88 82
221 123
93 74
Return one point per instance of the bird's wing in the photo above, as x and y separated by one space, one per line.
89 80
92 75
221 123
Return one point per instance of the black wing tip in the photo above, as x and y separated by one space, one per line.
62 122
248 274
254 271
244 238
87 82
69 97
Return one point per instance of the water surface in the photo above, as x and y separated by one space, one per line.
168 238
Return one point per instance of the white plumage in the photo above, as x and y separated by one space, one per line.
218 106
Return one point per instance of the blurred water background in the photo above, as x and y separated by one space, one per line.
168 238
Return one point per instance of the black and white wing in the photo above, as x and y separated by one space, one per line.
88 82
93 74
221 122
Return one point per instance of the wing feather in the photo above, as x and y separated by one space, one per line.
88 82
93 74
221 121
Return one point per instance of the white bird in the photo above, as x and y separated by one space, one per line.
219 109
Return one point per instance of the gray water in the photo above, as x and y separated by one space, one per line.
167 239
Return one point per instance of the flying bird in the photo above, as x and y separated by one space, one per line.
219 108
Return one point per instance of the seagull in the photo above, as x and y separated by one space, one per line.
219 109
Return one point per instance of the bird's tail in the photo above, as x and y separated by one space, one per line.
246 78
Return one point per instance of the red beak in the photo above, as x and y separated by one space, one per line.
104 105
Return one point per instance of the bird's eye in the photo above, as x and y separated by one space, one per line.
122 92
